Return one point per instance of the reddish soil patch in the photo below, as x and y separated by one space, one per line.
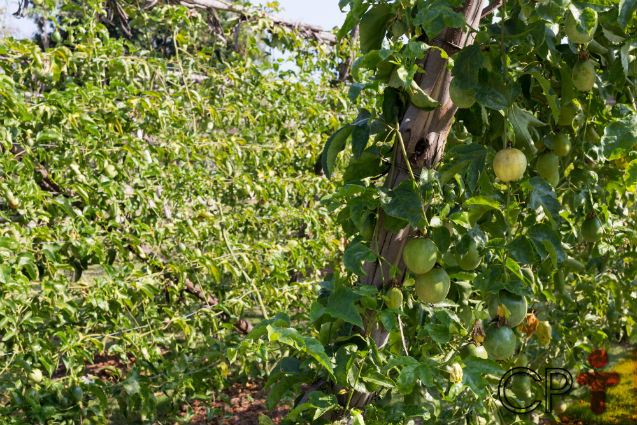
246 404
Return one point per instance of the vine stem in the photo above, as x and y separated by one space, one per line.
411 173
402 147
402 335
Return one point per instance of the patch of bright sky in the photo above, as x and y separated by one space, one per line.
17 27
324 13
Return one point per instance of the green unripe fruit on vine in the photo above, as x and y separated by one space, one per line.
567 114
56 37
473 350
499 342
574 34
460 97
509 164
433 287
36 376
544 333
592 229
584 75
110 171
420 255
561 145
515 305
548 166
77 394
521 387
395 298
471 259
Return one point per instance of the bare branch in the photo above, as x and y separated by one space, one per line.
490 8
307 30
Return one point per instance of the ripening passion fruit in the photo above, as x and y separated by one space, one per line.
509 164
433 287
592 229
544 333
574 34
548 166
460 97
515 304
499 342
420 255
561 145
395 298
584 75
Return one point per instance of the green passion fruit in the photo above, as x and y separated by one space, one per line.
420 255
460 97
548 166
584 75
499 342
592 229
561 145
473 350
395 298
515 304
509 164
433 286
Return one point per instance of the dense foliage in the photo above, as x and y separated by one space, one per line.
537 262
132 168
161 195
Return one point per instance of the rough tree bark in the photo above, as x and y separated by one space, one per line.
425 136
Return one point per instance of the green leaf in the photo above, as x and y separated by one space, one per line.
436 17
341 304
630 175
356 254
317 400
626 11
620 136
474 371
522 250
466 159
374 377
308 345
420 99
404 202
550 94
360 133
543 195
541 235
373 26
334 145
8 243
523 123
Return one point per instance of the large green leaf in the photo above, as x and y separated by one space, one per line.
620 136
